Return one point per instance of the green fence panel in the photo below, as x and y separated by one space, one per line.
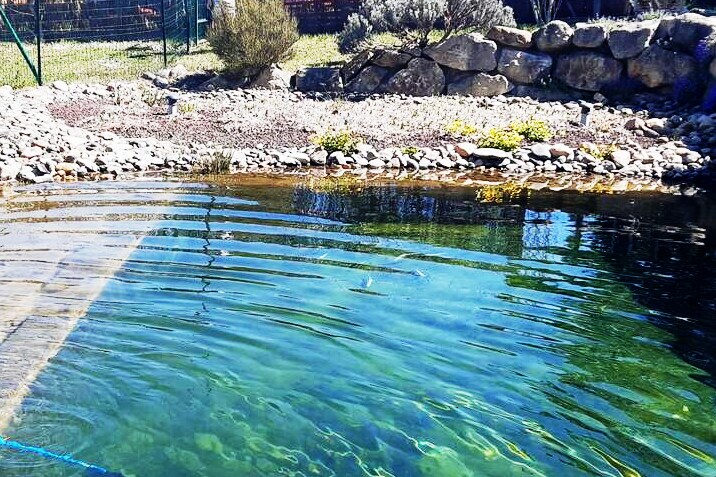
93 41
18 48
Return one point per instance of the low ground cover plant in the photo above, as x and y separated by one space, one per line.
504 139
507 138
460 128
410 150
599 151
533 130
338 141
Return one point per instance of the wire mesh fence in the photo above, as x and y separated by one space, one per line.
94 40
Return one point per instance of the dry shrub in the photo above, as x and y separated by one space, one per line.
415 20
252 35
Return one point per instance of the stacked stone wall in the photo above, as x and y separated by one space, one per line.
666 56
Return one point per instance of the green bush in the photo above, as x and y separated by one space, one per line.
253 35
504 139
533 130
338 141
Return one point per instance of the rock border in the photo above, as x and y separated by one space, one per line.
675 53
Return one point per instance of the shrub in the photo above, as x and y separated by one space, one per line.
218 163
254 35
599 151
533 130
504 139
415 20
460 128
410 150
338 141
356 32
545 10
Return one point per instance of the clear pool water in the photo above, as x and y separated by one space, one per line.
268 330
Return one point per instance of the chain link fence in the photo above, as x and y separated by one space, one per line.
94 40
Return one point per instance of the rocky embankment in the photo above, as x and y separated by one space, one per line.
37 146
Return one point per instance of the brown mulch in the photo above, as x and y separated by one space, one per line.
274 121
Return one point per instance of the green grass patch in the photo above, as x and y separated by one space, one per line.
102 62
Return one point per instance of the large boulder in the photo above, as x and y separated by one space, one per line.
687 31
480 84
589 35
630 39
524 67
588 70
657 67
390 58
513 37
321 79
421 78
356 64
369 80
465 53
272 77
554 36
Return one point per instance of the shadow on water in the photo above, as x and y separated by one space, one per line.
663 247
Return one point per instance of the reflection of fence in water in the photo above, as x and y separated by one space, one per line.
392 203
538 235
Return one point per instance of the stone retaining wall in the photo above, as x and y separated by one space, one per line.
675 53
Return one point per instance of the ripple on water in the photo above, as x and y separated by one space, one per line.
273 331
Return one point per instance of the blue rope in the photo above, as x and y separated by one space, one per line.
91 470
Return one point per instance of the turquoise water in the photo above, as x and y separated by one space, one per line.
272 330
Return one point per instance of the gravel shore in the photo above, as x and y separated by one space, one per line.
90 132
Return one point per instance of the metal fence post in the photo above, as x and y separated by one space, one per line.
163 12
16 38
196 22
187 12
38 41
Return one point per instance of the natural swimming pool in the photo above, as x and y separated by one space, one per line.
271 329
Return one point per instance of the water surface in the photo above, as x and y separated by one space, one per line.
270 329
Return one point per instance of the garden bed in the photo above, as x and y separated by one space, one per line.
282 119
